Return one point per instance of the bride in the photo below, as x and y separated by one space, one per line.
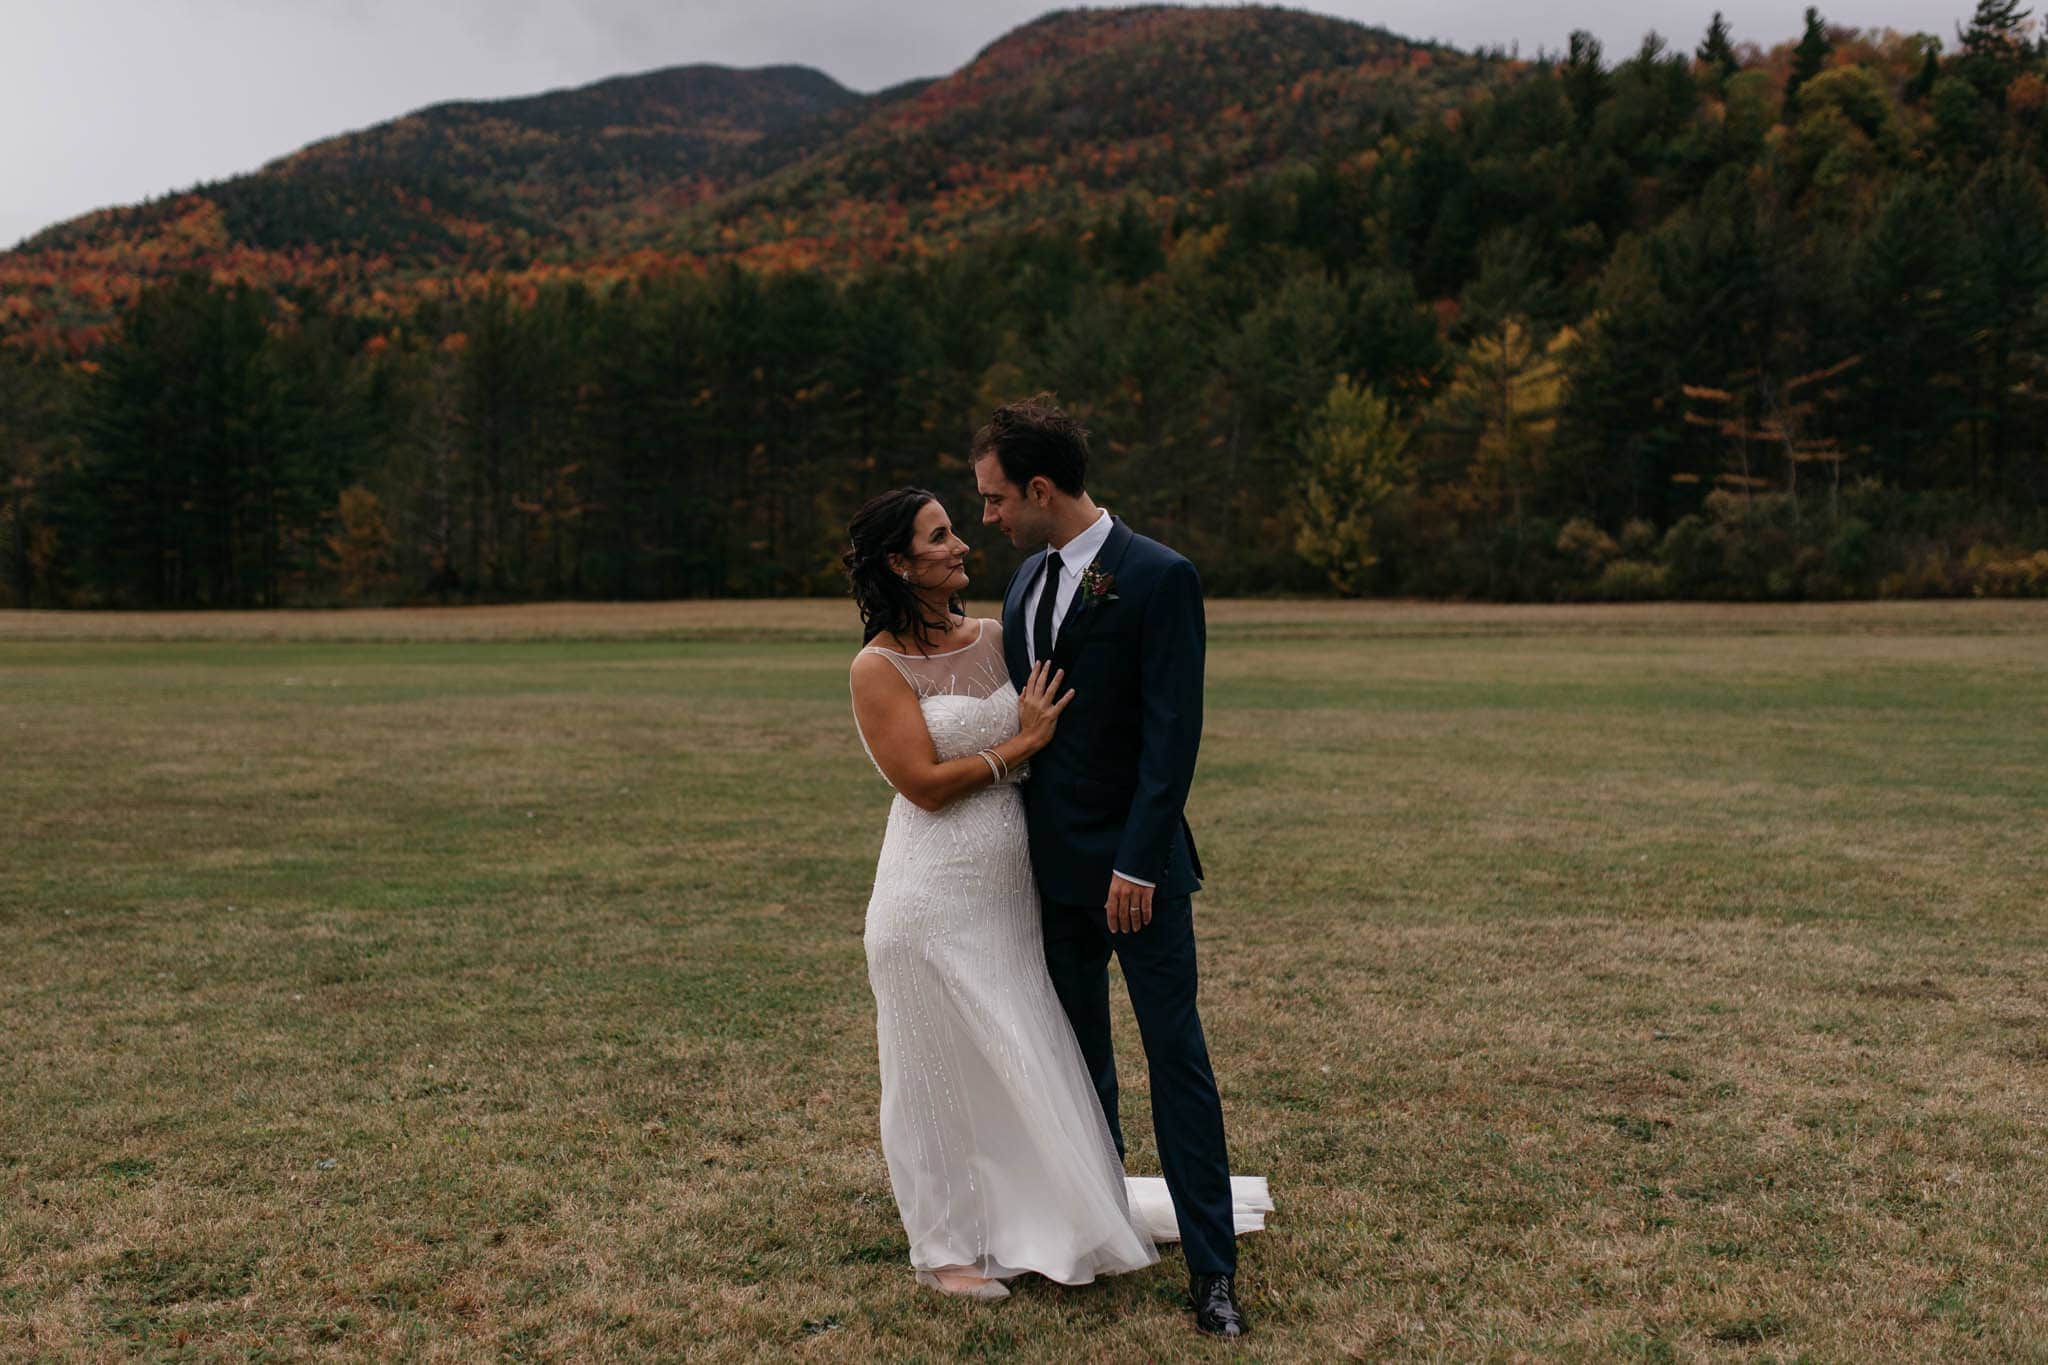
999 1155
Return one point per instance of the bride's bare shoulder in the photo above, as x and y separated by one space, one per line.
870 662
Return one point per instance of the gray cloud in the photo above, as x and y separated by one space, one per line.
114 101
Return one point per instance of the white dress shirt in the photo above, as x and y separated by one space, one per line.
1075 557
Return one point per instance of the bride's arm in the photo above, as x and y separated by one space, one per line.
885 707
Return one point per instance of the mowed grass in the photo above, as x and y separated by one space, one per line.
1658 983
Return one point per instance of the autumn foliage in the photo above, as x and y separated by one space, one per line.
1743 323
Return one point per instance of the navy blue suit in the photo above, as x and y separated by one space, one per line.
1107 796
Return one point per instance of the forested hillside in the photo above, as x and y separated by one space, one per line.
1345 312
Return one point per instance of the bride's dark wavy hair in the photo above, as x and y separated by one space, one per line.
884 526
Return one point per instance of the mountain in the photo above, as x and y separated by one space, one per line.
475 180
539 171
1083 106
774 168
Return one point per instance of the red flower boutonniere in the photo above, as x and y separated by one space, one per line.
1097 587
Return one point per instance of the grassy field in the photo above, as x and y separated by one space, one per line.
1636 982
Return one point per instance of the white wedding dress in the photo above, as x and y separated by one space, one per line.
997 1149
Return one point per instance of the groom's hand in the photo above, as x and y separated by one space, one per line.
1130 906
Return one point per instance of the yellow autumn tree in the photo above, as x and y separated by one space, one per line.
1354 458
360 545
1504 398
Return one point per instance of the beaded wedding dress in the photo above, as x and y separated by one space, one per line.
997 1149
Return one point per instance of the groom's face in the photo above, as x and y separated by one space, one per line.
1026 523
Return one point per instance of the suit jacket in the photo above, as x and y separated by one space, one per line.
1107 794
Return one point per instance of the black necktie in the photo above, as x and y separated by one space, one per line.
1041 624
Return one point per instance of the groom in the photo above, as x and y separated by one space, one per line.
1113 855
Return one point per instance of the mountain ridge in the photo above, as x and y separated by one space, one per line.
773 167
1157 99
669 125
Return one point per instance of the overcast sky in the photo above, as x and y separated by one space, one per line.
114 101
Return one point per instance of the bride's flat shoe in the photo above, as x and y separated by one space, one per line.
963 1286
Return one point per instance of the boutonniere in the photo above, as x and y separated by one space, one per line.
1097 587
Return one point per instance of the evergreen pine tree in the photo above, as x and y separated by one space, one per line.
1995 47
1808 60
186 436
1585 79
2000 292
1922 84
1619 435
1717 53
1905 400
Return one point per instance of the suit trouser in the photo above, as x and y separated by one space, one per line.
1158 964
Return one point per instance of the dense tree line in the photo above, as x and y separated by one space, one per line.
1719 323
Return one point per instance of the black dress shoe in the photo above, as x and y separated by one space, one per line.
1216 1310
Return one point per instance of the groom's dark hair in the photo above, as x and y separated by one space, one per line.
1031 437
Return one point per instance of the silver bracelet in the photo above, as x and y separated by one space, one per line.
995 776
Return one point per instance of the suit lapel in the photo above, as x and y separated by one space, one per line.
1080 617
1016 652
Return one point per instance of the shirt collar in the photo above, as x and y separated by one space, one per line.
1080 552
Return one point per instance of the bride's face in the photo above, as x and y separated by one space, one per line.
937 561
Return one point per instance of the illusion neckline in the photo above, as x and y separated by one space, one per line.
942 654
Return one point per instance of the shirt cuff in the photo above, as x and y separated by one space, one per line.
1136 881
